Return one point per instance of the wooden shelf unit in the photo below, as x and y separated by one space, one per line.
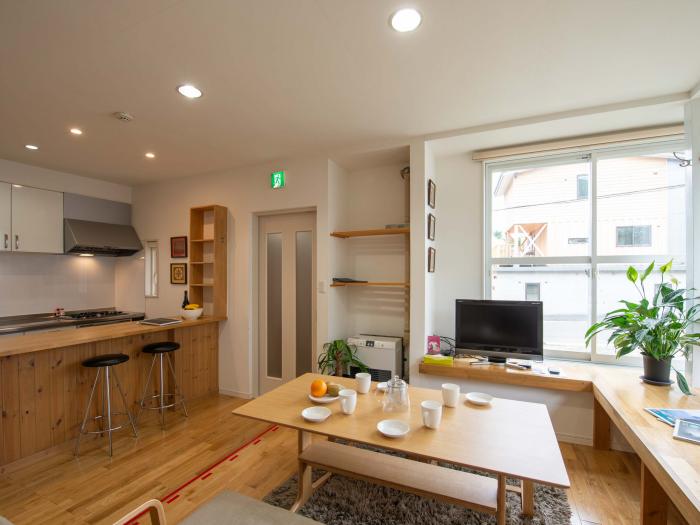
371 233
208 251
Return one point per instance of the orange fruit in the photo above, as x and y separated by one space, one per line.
319 388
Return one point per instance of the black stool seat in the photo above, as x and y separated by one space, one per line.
105 360
160 348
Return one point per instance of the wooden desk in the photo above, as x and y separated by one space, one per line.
670 468
510 438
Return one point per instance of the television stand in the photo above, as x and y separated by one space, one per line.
497 360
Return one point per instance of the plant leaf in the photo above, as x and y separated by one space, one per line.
666 267
683 383
632 274
647 271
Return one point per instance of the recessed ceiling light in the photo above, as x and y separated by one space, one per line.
86 255
405 20
189 91
31 146
150 155
17 186
76 131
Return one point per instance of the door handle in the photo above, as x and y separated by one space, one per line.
7 241
16 241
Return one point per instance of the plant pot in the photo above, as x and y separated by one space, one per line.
655 370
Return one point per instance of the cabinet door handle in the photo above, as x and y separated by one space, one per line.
16 241
7 241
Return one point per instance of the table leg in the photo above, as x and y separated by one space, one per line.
654 501
601 427
305 486
527 497
501 501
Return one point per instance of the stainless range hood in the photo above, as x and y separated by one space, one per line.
100 238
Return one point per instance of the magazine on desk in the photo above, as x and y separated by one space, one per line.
670 415
687 431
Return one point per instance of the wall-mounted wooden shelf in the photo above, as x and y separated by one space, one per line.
397 285
370 233
208 239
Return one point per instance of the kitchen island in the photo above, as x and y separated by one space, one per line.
44 389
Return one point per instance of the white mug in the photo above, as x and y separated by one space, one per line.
364 381
450 394
348 400
431 412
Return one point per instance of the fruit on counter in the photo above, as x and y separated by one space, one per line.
333 389
319 388
192 306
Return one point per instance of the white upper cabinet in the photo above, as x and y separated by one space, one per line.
37 220
5 216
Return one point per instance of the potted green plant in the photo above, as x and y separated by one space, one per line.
659 328
338 357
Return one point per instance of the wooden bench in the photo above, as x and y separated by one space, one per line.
473 491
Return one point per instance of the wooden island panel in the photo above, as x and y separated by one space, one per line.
43 394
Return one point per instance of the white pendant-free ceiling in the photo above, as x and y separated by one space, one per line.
297 78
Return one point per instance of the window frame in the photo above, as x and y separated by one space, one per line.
151 256
633 244
592 155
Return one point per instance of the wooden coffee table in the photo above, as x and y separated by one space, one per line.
510 439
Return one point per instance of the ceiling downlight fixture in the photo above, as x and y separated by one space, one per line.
150 155
76 131
31 147
189 91
405 20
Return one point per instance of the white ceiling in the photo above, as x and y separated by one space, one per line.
284 78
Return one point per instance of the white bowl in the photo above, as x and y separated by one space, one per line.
323 400
315 414
393 428
479 398
191 315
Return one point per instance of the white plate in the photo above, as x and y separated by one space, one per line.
323 400
393 428
479 398
315 414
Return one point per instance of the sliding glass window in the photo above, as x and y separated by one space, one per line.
564 229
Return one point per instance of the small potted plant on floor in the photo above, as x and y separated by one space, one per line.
338 357
658 328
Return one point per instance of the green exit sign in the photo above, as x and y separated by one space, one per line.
277 180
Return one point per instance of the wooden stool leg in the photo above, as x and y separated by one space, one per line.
501 501
654 501
305 486
527 496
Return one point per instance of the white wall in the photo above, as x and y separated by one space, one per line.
367 199
161 211
33 283
34 176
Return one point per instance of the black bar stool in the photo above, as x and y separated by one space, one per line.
104 364
159 350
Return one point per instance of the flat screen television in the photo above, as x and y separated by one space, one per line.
499 329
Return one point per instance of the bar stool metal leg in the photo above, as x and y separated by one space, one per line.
145 389
162 394
126 406
109 409
87 413
177 387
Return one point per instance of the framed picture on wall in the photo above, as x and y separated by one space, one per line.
431 193
178 247
431 227
178 273
431 260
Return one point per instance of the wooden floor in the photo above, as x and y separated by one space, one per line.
57 488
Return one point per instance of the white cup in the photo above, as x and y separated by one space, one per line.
348 400
450 394
431 412
364 381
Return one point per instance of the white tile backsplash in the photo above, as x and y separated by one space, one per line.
33 283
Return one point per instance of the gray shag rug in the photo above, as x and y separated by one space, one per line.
345 501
